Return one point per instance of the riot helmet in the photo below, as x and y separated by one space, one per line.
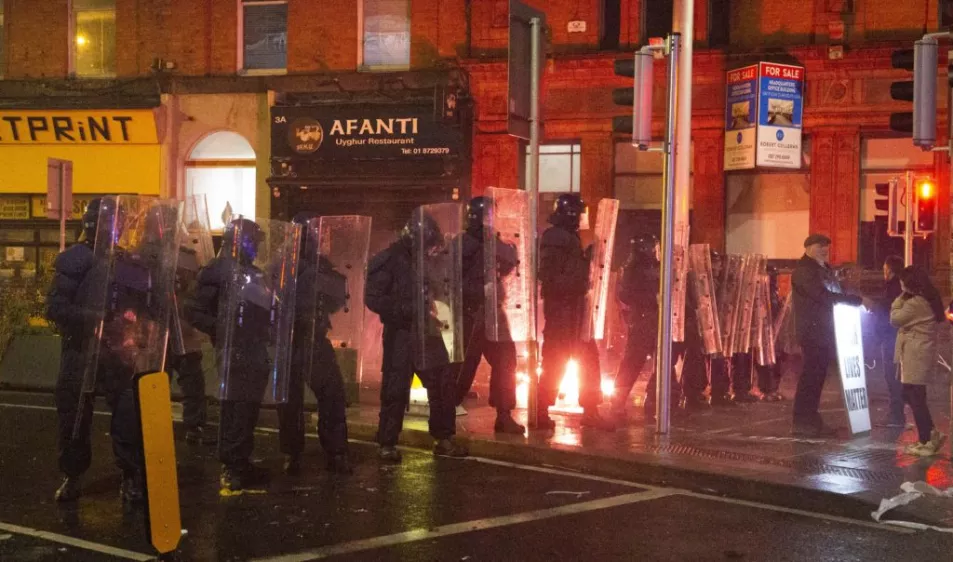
476 211
249 237
567 211
422 230
717 263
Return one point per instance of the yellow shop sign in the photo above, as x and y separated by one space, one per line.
136 126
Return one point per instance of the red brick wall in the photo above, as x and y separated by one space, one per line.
37 38
322 35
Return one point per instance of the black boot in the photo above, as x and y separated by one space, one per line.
339 464
131 489
292 465
69 490
543 421
506 424
450 448
389 454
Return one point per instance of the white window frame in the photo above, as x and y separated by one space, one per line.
71 66
361 67
240 57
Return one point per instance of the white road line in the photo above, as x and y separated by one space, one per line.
78 543
793 511
466 527
46 408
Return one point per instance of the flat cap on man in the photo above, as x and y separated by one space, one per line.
817 239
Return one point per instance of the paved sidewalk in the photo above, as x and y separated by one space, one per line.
745 451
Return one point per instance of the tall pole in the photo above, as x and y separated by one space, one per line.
663 380
684 24
536 34
908 221
63 210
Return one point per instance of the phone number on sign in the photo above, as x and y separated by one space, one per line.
413 151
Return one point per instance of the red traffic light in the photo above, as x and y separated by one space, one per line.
926 189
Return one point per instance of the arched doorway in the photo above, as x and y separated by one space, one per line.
222 167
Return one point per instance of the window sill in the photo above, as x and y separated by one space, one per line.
384 68
263 72
111 76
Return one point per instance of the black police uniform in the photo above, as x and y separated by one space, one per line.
638 293
320 371
564 280
500 355
249 369
77 274
769 376
390 293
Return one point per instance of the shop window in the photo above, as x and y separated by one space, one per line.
94 38
638 177
881 160
611 24
222 167
264 37
560 167
384 43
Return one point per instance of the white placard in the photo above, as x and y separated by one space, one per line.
850 363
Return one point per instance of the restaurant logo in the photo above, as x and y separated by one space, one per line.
305 136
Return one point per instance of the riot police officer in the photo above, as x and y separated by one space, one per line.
717 364
500 355
564 279
249 374
72 307
769 376
314 361
391 294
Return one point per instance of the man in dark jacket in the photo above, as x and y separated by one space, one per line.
815 292
320 292
244 364
893 265
392 295
564 279
501 355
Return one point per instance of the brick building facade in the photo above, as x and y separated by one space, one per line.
187 60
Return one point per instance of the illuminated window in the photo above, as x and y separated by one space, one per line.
385 39
560 167
264 36
94 38
222 167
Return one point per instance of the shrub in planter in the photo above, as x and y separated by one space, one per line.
22 309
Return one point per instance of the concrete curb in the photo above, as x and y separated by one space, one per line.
653 470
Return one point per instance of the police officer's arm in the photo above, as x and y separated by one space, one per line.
808 283
378 293
507 257
61 306
201 307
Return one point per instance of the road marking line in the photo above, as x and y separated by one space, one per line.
794 511
46 408
78 543
466 527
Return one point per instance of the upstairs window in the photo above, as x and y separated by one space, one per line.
94 38
384 43
264 37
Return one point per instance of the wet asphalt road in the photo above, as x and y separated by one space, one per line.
425 509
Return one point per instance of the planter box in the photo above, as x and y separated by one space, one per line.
31 362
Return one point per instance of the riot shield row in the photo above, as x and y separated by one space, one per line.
733 307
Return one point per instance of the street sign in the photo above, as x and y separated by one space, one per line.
518 98
59 187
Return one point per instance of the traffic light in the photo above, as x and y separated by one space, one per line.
887 201
925 206
921 122
638 97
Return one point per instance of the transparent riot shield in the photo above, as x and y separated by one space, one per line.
342 246
751 266
509 277
195 250
764 346
256 310
438 281
600 264
706 301
128 294
728 300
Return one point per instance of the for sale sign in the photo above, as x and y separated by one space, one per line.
780 108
